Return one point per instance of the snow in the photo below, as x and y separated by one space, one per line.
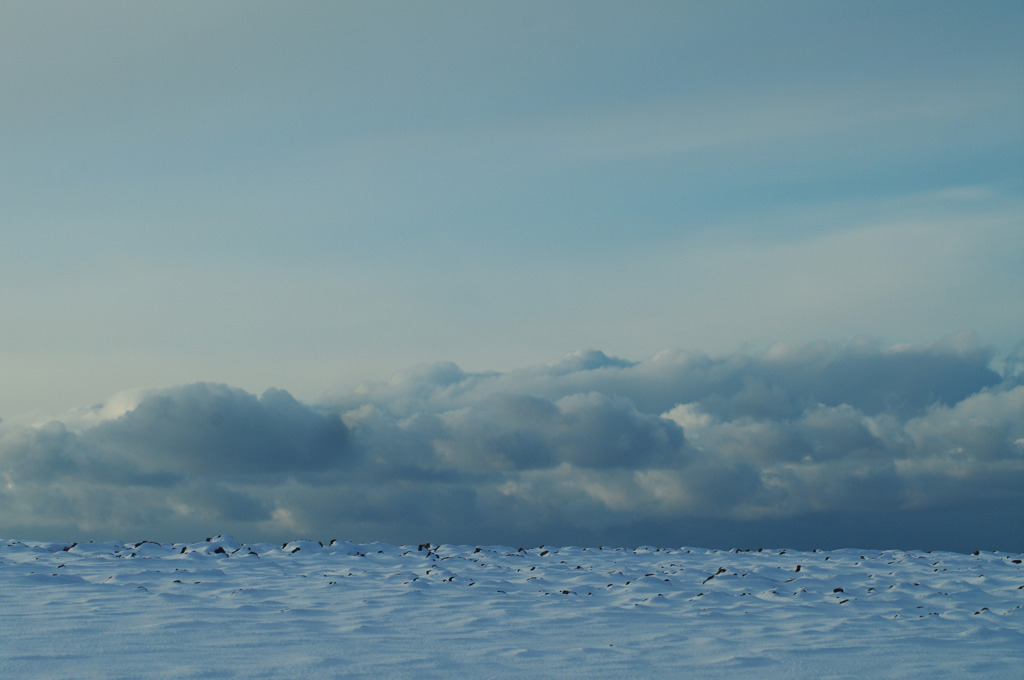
221 609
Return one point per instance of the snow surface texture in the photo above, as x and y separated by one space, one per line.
219 609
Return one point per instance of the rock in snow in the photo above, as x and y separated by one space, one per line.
218 608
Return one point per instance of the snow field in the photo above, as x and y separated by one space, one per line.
220 609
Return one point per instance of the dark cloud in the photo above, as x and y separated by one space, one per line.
216 429
805 446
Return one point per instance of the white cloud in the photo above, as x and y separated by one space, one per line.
795 444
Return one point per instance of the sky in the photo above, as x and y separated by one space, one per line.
551 271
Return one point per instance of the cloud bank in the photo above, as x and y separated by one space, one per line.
804 446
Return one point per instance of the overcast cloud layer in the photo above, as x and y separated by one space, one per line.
315 193
204 204
803 446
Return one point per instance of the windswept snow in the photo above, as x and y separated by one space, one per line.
221 609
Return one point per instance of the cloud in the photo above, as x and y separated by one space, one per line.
809 445
215 429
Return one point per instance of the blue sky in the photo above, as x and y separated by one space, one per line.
308 196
